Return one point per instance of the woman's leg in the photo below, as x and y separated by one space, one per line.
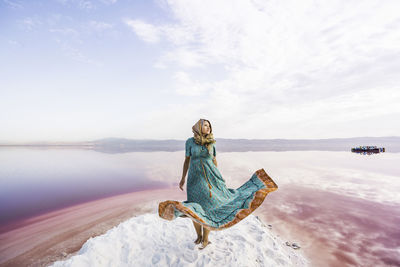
205 241
198 228
205 235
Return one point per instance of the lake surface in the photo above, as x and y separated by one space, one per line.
340 207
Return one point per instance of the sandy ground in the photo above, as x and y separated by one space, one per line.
145 240
58 235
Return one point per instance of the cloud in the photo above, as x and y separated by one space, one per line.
109 2
76 54
85 4
66 31
14 43
13 4
283 62
99 25
31 23
185 85
81 4
145 31
184 57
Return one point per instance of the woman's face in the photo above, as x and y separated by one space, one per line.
206 128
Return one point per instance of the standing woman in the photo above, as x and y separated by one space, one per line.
210 204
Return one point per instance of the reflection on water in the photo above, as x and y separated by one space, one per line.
339 207
367 152
35 181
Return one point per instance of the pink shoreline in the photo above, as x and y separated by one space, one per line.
18 223
43 239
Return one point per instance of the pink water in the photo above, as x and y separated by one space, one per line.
343 209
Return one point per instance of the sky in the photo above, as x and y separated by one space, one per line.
81 70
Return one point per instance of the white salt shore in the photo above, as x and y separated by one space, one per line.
148 240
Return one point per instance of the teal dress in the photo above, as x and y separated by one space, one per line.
209 201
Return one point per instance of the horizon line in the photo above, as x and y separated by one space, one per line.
169 139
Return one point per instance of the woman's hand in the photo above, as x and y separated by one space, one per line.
182 183
215 162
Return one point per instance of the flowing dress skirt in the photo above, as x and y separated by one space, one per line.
210 203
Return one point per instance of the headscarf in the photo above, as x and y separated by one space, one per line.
203 139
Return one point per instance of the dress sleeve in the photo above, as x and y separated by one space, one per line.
188 152
214 150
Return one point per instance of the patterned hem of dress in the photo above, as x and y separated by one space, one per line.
166 209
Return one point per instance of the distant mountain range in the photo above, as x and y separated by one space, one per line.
120 145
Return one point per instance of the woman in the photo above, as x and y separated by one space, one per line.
210 204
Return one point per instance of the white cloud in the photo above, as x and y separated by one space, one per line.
31 23
13 4
285 61
14 43
66 31
99 25
110 2
145 31
83 4
185 57
185 85
76 54
62 1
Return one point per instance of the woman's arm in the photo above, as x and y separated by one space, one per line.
185 169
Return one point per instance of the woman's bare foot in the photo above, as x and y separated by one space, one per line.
204 244
198 240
